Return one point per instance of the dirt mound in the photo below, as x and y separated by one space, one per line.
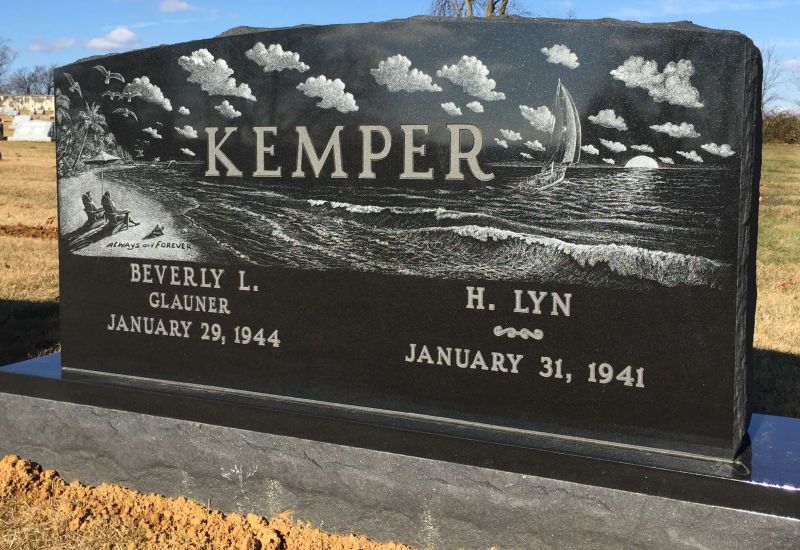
37 232
157 522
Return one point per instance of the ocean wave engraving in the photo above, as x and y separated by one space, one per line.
576 235
667 268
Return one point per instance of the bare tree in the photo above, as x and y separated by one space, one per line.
44 81
20 82
797 88
31 81
772 78
475 8
7 56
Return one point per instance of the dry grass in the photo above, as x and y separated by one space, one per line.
778 313
28 269
25 526
27 176
777 337
28 266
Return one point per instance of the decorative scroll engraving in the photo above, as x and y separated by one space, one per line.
524 333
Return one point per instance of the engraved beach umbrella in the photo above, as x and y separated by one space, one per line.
102 159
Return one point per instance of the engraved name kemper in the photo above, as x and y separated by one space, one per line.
373 150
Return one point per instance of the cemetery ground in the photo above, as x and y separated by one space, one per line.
777 333
29 327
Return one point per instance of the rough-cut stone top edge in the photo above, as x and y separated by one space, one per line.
609 22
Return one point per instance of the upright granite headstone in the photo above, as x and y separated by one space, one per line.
523 226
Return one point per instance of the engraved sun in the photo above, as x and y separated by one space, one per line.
642 161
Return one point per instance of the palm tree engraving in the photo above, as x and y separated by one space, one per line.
92 121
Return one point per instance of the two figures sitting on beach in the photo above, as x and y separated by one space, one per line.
93 212
108 210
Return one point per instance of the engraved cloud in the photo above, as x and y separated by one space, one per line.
672 85
691 155
473 76
451 108
723 151
213 75
396 74
644 148
540 117
183 110
510 135
148 92
561 54
591 149
535 145
501 142
152 132
227 110
475 106
187 131
666 160
330 92
682 130
614 146
274 58
188 152
607 118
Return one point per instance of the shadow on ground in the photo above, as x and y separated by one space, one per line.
27 329
776 377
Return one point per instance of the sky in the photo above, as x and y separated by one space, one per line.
61 32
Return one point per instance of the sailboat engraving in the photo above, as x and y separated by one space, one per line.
565 139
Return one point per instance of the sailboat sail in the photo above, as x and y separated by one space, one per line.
565 139
572 149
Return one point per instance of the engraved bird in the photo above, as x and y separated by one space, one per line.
111 95
73 86
130 94
159 123
126 113
108 75
139 153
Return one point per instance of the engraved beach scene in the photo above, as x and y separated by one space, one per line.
489 167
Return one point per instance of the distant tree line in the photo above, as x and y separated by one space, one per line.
781 125
37 80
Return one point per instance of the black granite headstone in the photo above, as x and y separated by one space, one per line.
525 226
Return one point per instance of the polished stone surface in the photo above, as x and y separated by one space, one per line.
633 276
